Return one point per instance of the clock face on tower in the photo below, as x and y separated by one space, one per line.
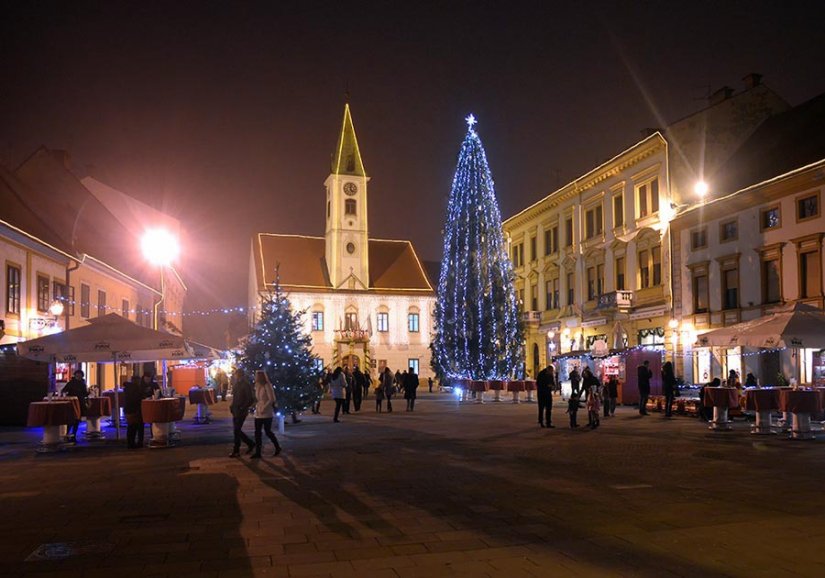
350 188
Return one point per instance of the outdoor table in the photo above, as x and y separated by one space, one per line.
496 385
478 386
721 399
764 402
51 415
801 403
160 413
98 406
516 387
121 417
530 387
202 397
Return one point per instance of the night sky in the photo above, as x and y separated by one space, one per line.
225 114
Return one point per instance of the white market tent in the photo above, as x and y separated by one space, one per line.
112 339
796 326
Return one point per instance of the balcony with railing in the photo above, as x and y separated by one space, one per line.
618 300
531 317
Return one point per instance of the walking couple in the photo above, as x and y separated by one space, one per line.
263 400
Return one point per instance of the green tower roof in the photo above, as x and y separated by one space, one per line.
346 160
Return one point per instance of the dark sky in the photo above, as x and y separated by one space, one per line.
225 114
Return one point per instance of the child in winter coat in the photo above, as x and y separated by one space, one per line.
573 405
379 399
594 404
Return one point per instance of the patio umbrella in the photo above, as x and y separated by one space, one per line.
107 339
797 326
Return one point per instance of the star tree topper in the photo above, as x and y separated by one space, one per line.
471 120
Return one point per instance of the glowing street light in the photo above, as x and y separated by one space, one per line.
159 247
700 188
56 308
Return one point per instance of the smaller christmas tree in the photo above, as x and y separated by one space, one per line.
279 346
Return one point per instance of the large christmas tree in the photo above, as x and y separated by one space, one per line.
478 327
279 346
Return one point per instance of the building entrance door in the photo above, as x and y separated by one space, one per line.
352 361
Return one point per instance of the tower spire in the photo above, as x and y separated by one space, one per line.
347 157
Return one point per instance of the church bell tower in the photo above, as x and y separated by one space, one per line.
347 249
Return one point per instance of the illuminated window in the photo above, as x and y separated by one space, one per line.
60 291
85 300
412 364
383 322
412 322
349 207
317 320
12 289
770 218
43 293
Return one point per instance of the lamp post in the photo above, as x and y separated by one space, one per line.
160 248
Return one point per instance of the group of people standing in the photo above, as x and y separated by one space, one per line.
352 387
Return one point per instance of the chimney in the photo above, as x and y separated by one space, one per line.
720 95
752 80
646 132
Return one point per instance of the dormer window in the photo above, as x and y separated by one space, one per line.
350 207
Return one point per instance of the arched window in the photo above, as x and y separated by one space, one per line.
349 207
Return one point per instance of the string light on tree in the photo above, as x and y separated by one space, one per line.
279 346
478 327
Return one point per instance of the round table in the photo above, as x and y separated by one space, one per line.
160 413
764 402
203 397
478 386
118 418
97 407
52 415
721 399
530 387
800 403
515 387
497 386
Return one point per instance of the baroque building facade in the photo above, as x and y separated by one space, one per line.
368 302
593 258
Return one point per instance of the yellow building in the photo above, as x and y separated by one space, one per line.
76 242
592 259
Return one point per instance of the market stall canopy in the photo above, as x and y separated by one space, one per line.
106 339
797 326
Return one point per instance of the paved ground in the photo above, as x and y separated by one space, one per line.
447 490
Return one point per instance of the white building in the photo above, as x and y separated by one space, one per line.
368 302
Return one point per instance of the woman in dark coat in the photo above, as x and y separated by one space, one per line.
132 396
669 386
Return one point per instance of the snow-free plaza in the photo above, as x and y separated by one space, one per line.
444 491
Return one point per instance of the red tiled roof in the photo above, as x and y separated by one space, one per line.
394 266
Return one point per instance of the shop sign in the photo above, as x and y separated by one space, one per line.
594 322
649 313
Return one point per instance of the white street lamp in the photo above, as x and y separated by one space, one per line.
700 188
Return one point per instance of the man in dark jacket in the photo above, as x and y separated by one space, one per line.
410 387
643 375
132 397
357 388
243 398
77 388
545 381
